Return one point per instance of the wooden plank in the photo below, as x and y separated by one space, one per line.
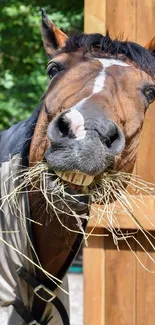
146 152
145 288
94 282
145 16
120 308
121 18
100 16
145 214
94 16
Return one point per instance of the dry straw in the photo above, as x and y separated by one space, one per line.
106 190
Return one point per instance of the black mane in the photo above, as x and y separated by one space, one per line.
104 46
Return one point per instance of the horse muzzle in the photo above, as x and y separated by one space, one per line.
83 145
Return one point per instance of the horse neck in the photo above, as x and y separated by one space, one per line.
53 242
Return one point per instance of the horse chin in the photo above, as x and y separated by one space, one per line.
74 199
70 190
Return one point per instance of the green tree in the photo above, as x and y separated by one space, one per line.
22 59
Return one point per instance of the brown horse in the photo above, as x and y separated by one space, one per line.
90 121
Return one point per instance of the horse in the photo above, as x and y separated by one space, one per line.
89 121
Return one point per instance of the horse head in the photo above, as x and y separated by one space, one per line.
94 108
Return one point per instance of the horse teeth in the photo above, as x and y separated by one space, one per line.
76 178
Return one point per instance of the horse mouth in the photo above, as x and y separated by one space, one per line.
70 191
76 178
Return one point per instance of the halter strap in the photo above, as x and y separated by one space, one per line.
44 294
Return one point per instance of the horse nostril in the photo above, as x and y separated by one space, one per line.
111 137
69 124
63 126
58 129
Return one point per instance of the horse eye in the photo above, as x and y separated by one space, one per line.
53 69
150 94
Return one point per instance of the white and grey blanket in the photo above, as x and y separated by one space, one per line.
13 228
14 150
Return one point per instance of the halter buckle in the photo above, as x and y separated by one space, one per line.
44 293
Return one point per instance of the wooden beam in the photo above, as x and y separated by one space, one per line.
94 282
121 18
94 16
145 285
146 154
120 277
145 215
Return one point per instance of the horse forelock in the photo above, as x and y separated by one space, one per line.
98 45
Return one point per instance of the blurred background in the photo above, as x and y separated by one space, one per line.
23 61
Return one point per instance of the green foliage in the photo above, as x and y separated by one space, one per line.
23 77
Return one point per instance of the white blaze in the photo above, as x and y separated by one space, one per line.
100 79
75 117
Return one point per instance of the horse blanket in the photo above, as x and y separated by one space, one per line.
15 229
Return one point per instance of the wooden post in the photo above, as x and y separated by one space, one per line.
117 289
95 14
94 264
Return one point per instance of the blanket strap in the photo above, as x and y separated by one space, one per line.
24 313
44 294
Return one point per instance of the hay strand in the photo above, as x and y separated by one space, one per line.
106 189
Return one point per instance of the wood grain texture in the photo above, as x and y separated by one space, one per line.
145 15
146 153
145 286
120 308
145 214
121 18
94 16
94 282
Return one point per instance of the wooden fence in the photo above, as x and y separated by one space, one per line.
117 289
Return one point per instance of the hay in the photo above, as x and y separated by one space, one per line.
27 176
107 188
110 187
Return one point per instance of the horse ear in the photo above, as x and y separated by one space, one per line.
53 37
151 45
